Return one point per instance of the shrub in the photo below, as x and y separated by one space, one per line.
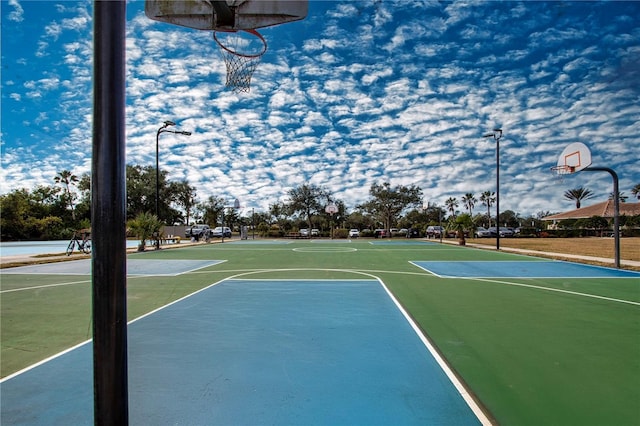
340 233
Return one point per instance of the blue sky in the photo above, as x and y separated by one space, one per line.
359 92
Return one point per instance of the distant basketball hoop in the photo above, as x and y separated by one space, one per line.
574 158
331 209
241 51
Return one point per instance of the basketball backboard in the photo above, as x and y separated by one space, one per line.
575 157
226 15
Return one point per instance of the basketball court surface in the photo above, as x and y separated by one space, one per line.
325 332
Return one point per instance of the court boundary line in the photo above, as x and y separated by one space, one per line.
543 260
557 290
44 286
499 280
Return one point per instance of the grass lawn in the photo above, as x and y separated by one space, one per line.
588 246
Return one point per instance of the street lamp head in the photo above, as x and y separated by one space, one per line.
185 133
497 133
169 123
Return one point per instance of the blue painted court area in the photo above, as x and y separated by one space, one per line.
253 352
164 267
524 269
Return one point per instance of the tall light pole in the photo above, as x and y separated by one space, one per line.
497 134
163 129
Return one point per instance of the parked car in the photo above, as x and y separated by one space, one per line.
218 233
506 232
483 233
354 233
434 231
315 232
380 233
198 231
413 233
304 232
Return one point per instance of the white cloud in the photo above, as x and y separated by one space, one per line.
17 14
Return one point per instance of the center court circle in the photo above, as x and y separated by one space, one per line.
324 249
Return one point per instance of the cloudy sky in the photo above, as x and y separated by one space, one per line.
359 92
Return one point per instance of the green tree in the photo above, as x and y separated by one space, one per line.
621 196
387 203
461 224
636 191
144 226
212 210
141 183
307 200
578 194
83 206
185 198
469 200
488 198
452 205
16 209
66 178
508 218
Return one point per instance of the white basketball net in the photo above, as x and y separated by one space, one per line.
241 56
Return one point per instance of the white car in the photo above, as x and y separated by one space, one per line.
354 233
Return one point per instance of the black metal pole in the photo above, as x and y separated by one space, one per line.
108 216
616 209
497 135
158 183
157 173
497 138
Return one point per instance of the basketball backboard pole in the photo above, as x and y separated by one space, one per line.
616 209
108 216
576 157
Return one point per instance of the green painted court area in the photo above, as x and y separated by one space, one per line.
561 349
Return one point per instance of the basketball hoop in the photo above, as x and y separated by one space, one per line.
562 170
241 51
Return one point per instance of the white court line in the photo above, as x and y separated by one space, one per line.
44 286
558 290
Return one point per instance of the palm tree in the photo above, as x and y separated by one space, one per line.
488 198
623 198
636 191
144 226
469 201
578 194
451 204
66 178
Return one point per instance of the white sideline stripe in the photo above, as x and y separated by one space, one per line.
558 290
462 390
44 286
44 361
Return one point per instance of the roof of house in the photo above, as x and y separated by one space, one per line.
604 209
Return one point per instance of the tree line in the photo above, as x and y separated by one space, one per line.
56 211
